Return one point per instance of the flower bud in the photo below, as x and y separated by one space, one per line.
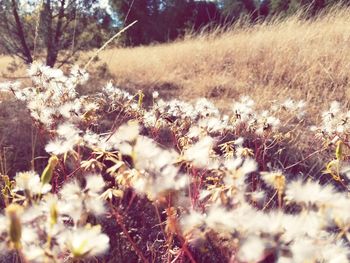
15 227
53 214
47 173
339 150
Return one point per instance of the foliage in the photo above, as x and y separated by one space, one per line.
160 21
166 20
29 28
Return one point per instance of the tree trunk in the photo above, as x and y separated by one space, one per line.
20 33
52 53
48 31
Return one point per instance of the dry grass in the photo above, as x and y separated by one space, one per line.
284 58
291 58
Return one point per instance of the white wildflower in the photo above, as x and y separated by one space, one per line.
309 193
127 132
252 249
85 242
30 182
192 221
155 94
200 152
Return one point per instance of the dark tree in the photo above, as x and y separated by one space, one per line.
48 27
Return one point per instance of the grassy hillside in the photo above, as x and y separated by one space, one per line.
292 58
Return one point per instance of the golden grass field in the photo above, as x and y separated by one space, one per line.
285 58
307 60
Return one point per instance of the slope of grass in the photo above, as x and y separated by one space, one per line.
284 58
292 58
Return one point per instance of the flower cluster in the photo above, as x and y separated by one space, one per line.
216 177
48 227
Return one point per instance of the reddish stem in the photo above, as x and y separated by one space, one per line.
119 219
